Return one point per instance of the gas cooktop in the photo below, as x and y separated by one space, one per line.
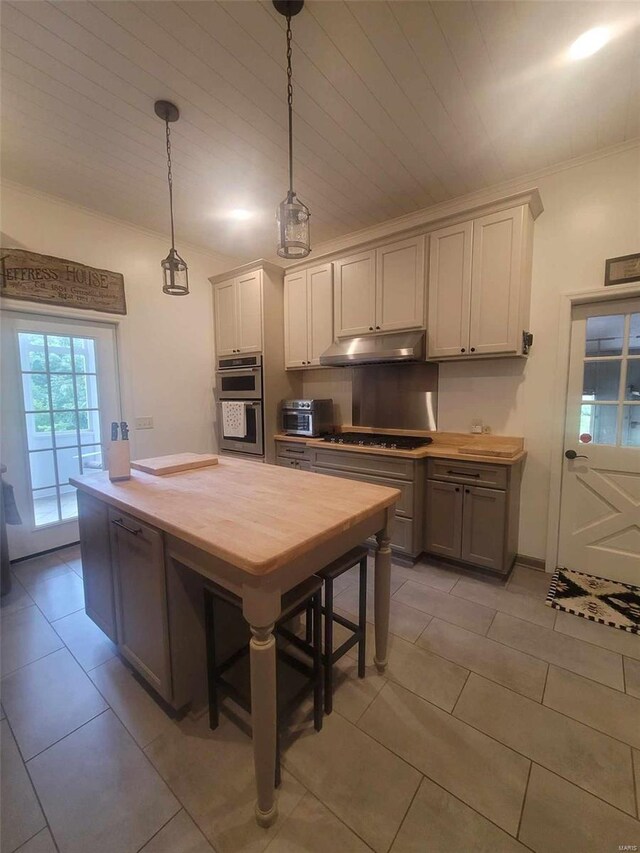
379 439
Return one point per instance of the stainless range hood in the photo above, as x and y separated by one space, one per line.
375 349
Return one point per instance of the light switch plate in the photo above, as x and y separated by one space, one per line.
144 423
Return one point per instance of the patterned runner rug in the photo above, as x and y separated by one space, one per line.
609 602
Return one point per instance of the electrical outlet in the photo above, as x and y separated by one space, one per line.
476 427
144 423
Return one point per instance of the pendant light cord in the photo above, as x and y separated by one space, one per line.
170 182
290 105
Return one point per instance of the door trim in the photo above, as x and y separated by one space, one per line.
567 303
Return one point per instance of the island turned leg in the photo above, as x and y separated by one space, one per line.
261 609
382 596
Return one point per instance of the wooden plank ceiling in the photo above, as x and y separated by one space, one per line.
398 105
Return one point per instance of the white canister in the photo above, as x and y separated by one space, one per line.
119 461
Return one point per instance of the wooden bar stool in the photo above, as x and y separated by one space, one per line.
304 597
359 631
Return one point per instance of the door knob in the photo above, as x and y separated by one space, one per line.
571 454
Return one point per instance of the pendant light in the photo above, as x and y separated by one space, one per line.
174 269
292 215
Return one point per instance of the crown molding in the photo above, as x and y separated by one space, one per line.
243 269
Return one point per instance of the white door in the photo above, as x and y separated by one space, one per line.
400 285
600 509
249 311
496 282
224 312
449 290
355 292
296 320
59 396
320 311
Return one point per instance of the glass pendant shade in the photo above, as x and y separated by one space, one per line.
176 275
293 228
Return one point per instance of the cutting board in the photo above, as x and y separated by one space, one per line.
493 447
174 463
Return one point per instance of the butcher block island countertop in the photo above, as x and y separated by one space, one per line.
256 517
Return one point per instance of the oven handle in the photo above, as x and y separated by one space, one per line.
227 370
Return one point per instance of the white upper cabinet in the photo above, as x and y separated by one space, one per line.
479 285
237 307
381 290
400 286
450 290
355 295
308 315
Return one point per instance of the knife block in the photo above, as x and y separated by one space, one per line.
119 461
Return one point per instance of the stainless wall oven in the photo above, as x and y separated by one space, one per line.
239 405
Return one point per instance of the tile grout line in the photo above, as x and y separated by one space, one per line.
407 810
590 642
455 704
33 788
168 821
73 731
500 743
42 657
524 800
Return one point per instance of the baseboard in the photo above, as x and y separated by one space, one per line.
44 553
530 562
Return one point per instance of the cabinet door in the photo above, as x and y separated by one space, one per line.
443 523
450 256
224 314
97 574
296 320
320 311
143 636
496 282
249 312
483 527
400 285
355 295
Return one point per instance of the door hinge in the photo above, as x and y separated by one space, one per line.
527 341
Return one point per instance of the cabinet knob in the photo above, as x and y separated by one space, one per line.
473 349
377 327
463 349
457 488
371 328
467 491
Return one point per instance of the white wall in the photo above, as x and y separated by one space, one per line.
166 343
591 212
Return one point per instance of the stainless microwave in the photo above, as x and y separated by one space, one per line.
239 378
307 417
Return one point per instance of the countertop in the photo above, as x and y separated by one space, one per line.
446 445
256 517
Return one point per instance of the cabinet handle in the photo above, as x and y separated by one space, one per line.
291 450
121 524
463 474
463 350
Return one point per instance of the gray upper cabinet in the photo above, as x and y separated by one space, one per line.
237 309
308 316
97 573
480 285
141 601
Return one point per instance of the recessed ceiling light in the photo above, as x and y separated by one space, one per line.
588 43
240 214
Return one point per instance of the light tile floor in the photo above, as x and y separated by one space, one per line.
500 726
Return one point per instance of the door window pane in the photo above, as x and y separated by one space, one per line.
68 502
43 472
87 388
600 422
39 431
601 380
631 426
65 428
62 391
35 389
605 335
45 506
91 458
84 355
32 355
68 464
89 423
59 350
632 390
634 335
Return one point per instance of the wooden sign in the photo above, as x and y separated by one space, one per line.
56 281
622 270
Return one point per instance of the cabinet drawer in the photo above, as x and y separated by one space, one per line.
382 466
293 450
477 473
404 506
298 464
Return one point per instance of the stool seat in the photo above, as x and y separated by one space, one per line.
344 563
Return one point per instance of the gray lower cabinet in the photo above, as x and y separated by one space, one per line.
95 547
137 552
470 523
